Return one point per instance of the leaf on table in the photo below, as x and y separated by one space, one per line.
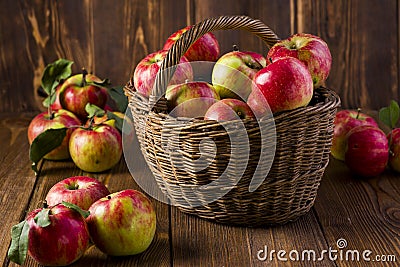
45 143
19 242
390 115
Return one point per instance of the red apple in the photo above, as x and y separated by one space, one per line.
60 243
80 89
146 71
394 155
229 109
123 223
59 119
345 120
310 49
285 84
206 48
190 99
367 151
82 191
233 73
97 148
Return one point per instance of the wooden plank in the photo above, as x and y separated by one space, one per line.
364 54
364 212
17 178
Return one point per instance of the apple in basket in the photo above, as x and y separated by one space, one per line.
80 89
308 48
233 73
229 109
190 99
146 71
367 151
206 48
122 223
284 84
58 119
82 191
345 120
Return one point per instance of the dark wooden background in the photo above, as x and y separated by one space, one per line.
110 37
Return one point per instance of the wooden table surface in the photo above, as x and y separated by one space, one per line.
364 215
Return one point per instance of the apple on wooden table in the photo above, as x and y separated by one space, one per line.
345 120
82 191
53 236
122 223
57 119
309 49
233 73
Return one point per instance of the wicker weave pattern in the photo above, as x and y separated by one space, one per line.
172 147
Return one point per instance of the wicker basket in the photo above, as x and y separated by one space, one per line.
172 148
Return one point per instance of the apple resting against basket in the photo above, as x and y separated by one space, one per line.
285 81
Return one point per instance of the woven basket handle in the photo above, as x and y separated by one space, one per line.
180 47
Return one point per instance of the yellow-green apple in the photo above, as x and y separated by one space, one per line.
55 236
97 148
285 84
394 154
146 71
206 48
82 191
122 223
233 73
345 120
58 119
80 89
190 99
367 151
309 49
229 109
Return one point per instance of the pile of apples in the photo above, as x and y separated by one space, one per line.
79 123
79 210
243 84
363 145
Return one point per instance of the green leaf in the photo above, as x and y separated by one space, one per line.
119 122
121 100
45 143
76 208
19 242
54 73
94 110
42 218
49 100
390 115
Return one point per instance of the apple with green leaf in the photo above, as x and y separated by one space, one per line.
53 236
122 223
82 191
80 89
95 148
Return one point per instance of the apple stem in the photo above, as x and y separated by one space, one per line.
84 73
358 113
235 48
45 205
